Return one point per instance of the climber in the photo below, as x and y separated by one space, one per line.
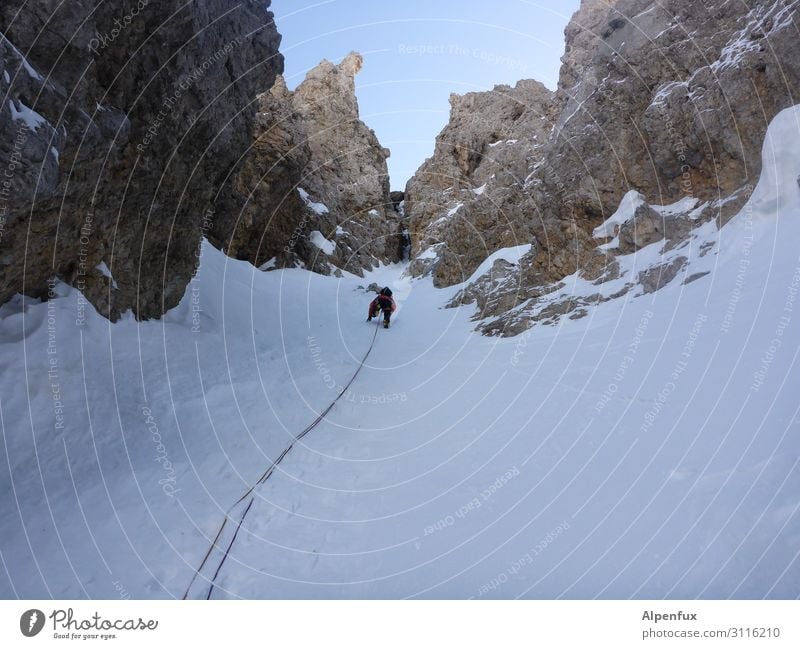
384 302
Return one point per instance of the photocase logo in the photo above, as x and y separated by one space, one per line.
31 622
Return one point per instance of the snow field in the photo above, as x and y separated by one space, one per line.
647 450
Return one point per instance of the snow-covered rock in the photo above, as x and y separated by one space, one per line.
314 166
467 195
655 129
652 247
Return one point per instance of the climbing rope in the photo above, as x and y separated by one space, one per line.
266 475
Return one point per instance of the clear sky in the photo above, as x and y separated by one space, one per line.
417 52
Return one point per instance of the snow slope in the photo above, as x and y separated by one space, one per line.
649 449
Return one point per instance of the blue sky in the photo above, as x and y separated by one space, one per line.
417 52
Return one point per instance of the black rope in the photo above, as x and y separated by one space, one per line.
230 545
265 476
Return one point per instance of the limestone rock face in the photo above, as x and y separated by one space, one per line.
120 125
671 99
468 199
648 226
316 180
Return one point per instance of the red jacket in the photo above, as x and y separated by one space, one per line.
382 302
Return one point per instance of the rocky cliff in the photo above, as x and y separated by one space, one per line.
668 100
468 199
315 181
120 124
